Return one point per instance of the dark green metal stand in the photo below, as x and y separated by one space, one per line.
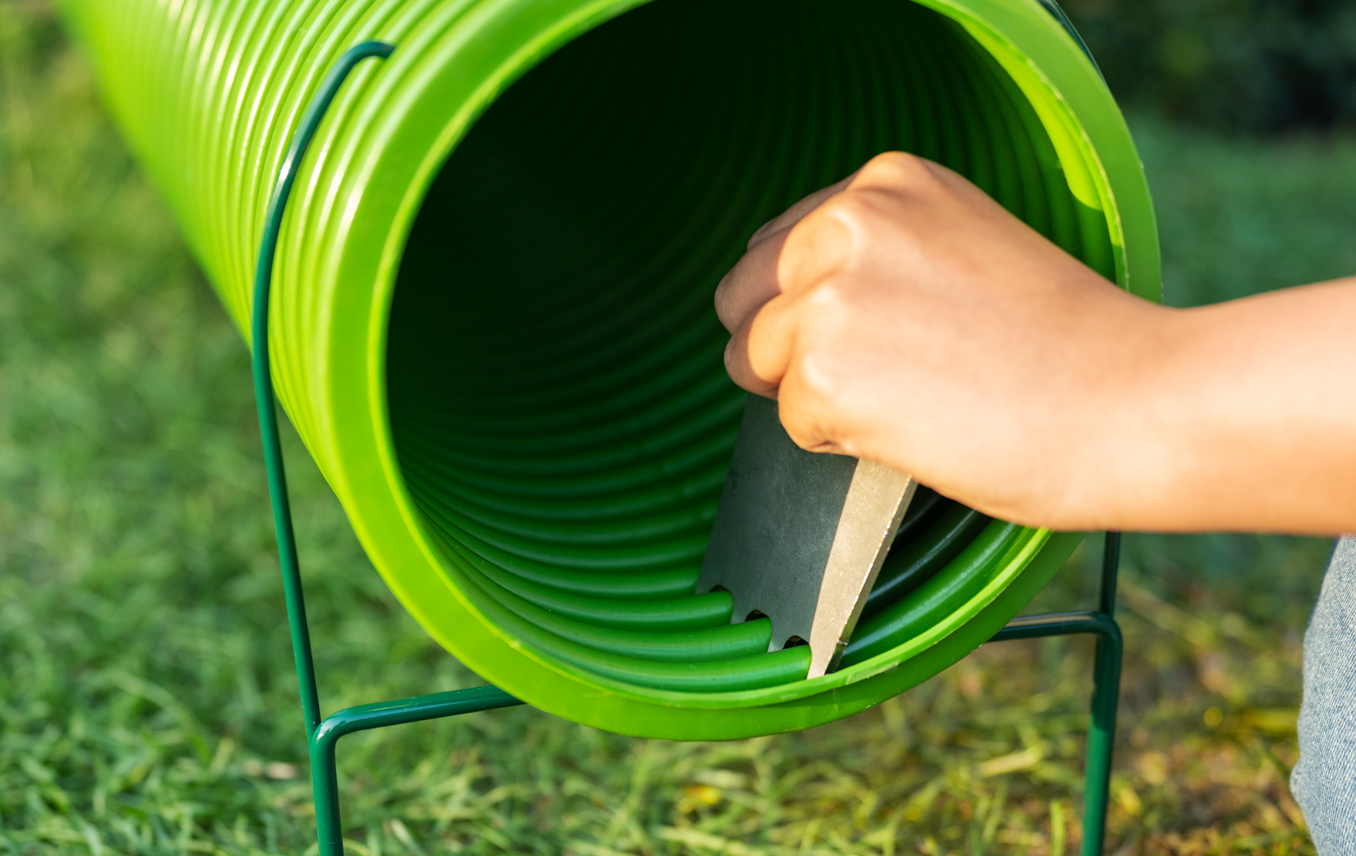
1106 689
323 734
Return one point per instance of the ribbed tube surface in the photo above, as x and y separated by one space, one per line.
492 304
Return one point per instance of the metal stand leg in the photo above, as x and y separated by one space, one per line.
1106 694
322 735
1106 687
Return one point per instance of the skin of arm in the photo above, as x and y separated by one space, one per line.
905 317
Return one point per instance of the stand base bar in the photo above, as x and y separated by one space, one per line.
416 709
324 769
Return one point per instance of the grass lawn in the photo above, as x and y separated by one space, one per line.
147 699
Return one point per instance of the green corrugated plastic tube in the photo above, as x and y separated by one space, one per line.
492 320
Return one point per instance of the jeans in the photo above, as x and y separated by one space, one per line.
1324 780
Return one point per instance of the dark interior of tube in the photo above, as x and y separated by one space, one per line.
557 395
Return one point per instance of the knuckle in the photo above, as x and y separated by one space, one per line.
852 239
797 422
823 350
815 247
856 216
825 313
819 378
829 304
807 412
844 208
896 168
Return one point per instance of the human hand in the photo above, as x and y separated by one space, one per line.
905 317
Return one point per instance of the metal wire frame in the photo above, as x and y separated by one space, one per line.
322 734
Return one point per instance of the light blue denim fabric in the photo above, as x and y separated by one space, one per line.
1324 780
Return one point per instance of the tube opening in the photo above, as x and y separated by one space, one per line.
557 394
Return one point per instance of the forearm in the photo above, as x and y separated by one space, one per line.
1244 420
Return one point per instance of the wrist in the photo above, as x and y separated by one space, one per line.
1126 448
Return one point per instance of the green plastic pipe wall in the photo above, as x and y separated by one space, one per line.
492 320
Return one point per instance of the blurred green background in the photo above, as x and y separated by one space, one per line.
147 699
1232 65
